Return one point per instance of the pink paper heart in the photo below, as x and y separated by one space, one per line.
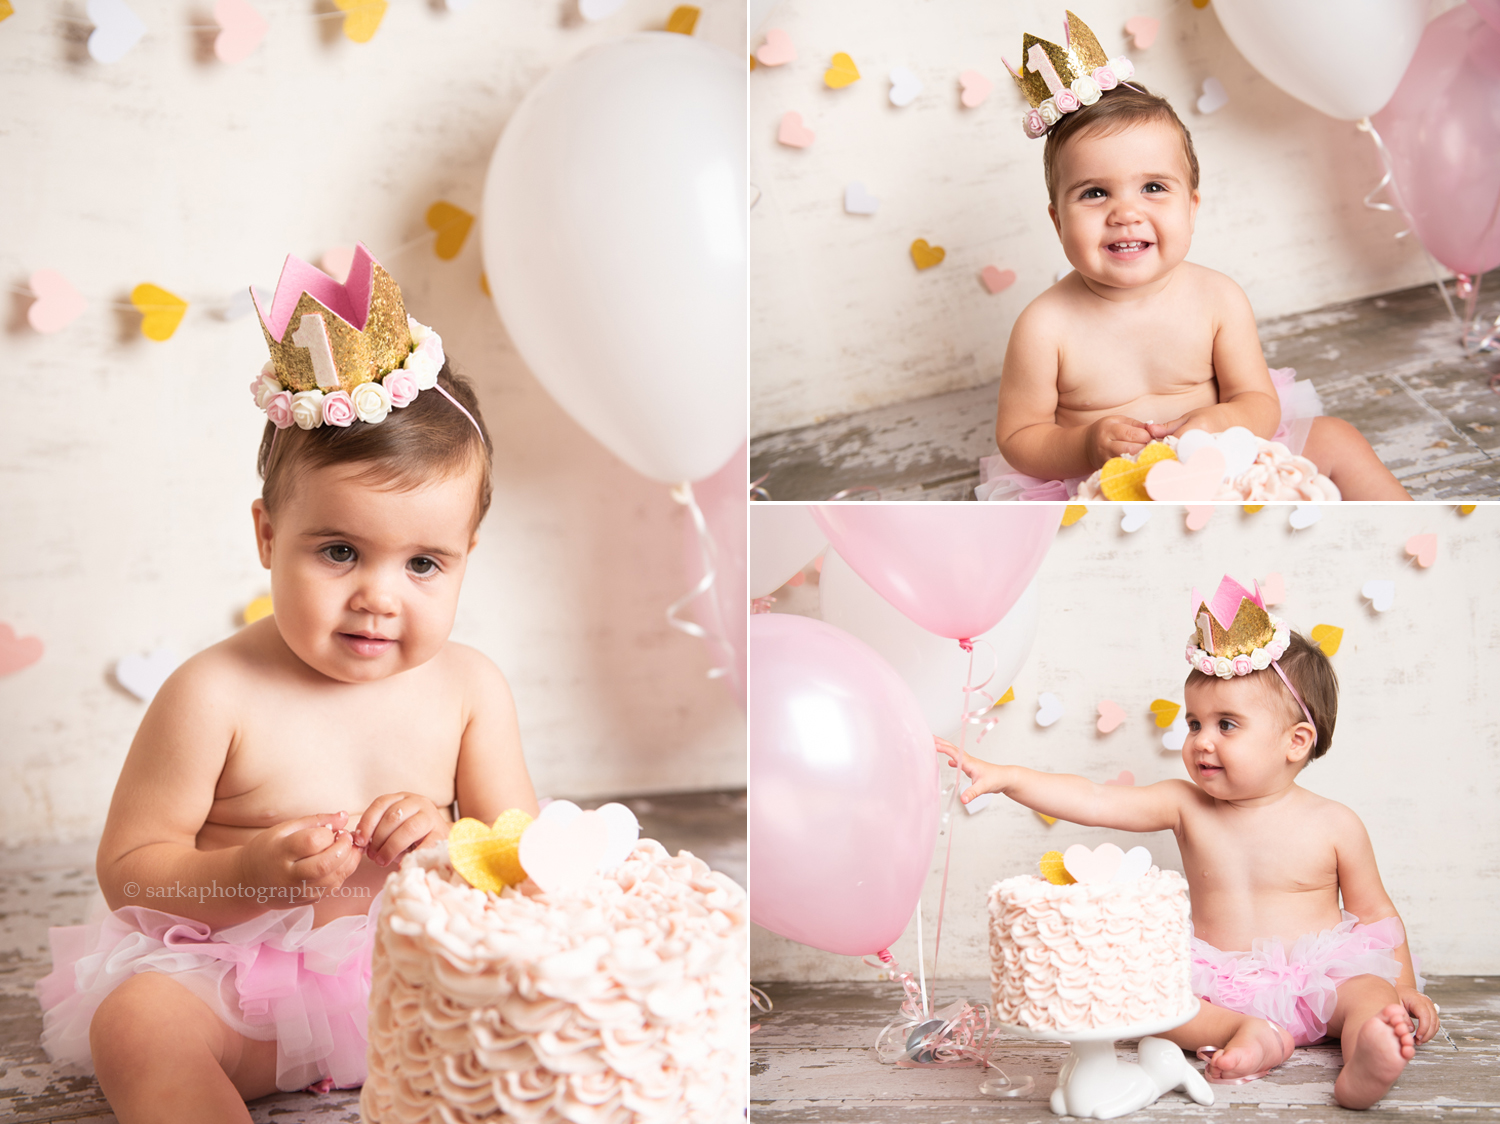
559 852
1198 515
1143 30
1094 867
1126 779
17 652
337 261
1272 589
57 303
1110 715
1423 548
243 29
1195 479
792 132
777 49
996 279
975 86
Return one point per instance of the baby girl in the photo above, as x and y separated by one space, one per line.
1285 876
277 776
1137 343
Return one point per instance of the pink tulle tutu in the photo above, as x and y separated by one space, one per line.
274 976
1299 405
1298 987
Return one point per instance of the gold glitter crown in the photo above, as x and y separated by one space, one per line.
1233 623
363 321
1079 58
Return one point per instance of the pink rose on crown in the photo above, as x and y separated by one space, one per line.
1067 101
1206 665
1242 665
402 385
338 409
1033 124
1105 78
279 409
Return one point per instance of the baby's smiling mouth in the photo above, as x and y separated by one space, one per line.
1128 247
366 643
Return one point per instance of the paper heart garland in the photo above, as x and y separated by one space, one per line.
777 50
1049 708
1009 696
842 73
1272 589
116 30
1142 29
1239 446
683 20
17 652
979 803
926 256
243 29
57 303
1421 547
1327 636
7 9
1073 512
997 280
362 18
1304 515
974 89
240 305
1134 516
1198 515
143 676
905 86
1165 712
452 225
1126 779
595 10
1380 594
1175 736
792 132
565 845
1214 97
1197 478
1124 480
1054 870
858 200
161 311
258 609
1105 864
1111 714
488 855
336 262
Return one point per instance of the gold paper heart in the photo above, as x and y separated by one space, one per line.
1124 479
683 19
1073 513
1165 711
1048 820
1467 508
488 855
1053 870
926 256
1252 508
1009 696
452 225
161 311
362 19
842 73
1328 637
261 607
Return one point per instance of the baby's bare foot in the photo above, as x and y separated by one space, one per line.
1256 1046
1381 1050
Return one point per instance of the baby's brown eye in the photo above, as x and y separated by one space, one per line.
422 566
339 553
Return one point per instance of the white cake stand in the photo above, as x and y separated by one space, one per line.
1095 1083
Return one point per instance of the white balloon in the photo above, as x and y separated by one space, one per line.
934 667
1344 58
614 243
783 539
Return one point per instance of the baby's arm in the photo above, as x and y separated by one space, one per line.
148 855
1026 428
1246 395
492 774
1364 896
1156 807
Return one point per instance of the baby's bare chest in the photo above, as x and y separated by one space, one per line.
1110 364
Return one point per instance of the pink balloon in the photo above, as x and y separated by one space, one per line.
955 569
1442 127
843 788
1490 10
724 499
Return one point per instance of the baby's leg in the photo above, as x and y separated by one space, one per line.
1343 455
162 1055
1244 1044
1377 1036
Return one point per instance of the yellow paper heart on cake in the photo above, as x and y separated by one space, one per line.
1053 870
842 73
1125 480
161 311
362 19
1328 637
488 856
1165 711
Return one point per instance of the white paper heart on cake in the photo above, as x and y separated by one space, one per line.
565 845
1136 862
1105 863
1237 443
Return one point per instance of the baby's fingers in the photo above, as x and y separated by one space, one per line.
329 867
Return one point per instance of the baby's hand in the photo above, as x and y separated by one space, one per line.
397 823
1193 419
312 855
971 766
1422 1010
1115 436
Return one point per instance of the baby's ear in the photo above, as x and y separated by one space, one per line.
263 531
1301 744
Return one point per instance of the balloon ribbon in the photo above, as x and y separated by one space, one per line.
708 553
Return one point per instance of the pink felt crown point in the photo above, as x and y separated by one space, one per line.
1225 605
349 300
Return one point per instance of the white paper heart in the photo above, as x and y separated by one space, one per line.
1096 867
1136 862
1381 594
1049 708
979 803
116 30
1304 515
1190 442
592 10
562 852
143 676
1176 734
624 832
1240 448
1214 98
858 201
1134 516
905 86
239 303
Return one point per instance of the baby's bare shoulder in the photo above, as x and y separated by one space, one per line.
477 674
1209 285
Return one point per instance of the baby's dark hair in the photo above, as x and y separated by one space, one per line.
430 437
1118 109
1312 674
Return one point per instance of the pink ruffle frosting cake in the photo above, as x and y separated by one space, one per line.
1080 957
621 1002
1276 474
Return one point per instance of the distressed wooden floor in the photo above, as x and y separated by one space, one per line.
1390 365
53 885
811 1060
